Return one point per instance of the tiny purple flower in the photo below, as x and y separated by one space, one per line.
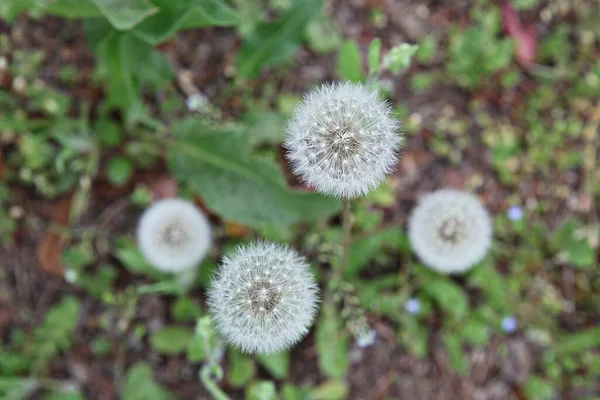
413 306
515 213
509 324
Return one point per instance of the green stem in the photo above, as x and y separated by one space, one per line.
347 235
211 385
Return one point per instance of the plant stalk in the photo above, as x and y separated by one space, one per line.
347 234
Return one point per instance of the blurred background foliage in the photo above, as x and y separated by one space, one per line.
108 105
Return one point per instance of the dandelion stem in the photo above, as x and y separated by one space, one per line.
347 238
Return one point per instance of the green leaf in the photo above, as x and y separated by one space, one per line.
349 64
365 249
277 364
449 296
574 244
399 57
332 343
132 258
171 339
291 392
273 42
186 310
536 388
73 9
125 14
241 368
578 342
179 15
119 170
374 56
60 324
17 388
263 390
331 390
216 164
140 384
196 351
456 354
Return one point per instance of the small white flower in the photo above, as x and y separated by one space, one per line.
264 297
450 230
173 235
367 338
342 139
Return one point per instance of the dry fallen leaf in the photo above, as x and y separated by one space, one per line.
50 248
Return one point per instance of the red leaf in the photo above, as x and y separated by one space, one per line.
524 36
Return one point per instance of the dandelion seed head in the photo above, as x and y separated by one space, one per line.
343 140
173 235
263 298
450 231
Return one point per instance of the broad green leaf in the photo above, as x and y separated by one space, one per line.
196 351
179 15
171 339
449 296
349 65
263 390
241 368
277 364
125 14
374 56
140 384
331 390
73 9
273 42
216 164
332 343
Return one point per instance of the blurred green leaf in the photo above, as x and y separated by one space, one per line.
60 323
132 258
332 343
331 390
179 15
186 310
449 296
119 170
574 245
195 350
271 43
17 388
536 388
216 164
374 56
577 342
291 392
366 248
125 14
278 364
140 384
72 8
349 64
263 390
454 346
241 368
399 57
171 339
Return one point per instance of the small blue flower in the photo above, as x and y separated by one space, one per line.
515 213
509 324
413 306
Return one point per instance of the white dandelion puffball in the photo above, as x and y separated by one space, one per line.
343 140
264 298
450 230
173 235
